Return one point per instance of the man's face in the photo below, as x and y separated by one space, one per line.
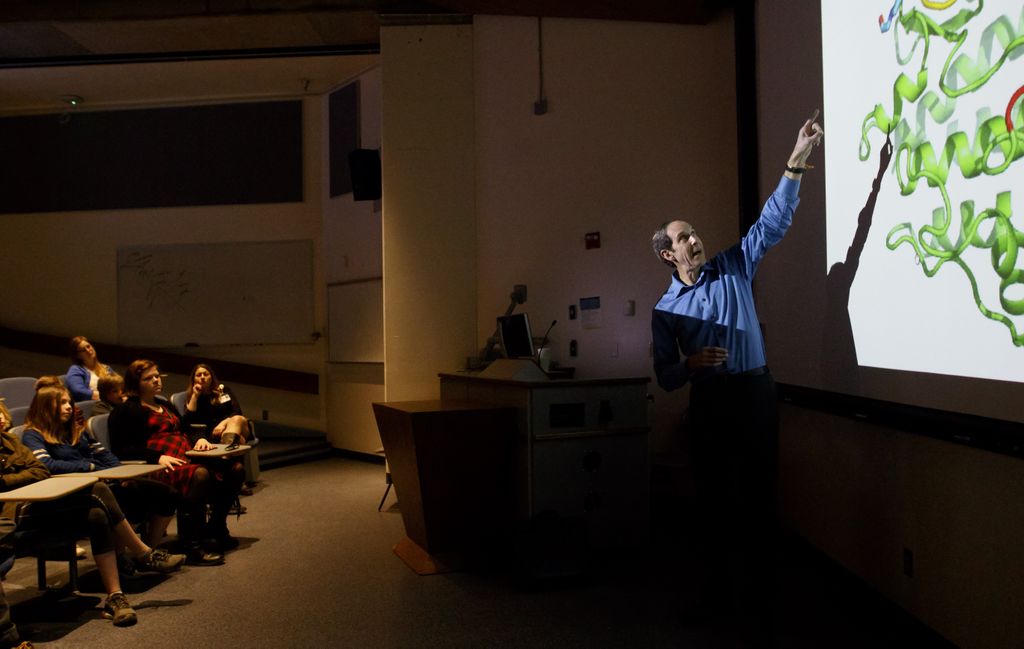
687 249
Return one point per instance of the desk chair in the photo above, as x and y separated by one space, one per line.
18 415
387 478
56 546
178 401
17 391
86 407
99 429
43 545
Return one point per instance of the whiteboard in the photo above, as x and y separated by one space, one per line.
241 293
356 321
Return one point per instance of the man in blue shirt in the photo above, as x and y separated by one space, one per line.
706 333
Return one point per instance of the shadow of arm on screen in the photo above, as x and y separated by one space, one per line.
868 211
839 351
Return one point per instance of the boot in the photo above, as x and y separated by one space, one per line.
217 535
190 530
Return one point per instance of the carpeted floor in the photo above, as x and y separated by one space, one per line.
315 569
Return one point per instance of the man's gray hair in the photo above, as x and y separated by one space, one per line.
661 241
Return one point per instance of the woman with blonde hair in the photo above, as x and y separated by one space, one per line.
5 417
86 370
67 447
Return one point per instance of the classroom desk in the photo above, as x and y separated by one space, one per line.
48 489
219 450
122 472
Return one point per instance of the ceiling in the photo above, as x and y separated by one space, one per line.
123 53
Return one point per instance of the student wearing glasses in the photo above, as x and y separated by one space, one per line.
148 427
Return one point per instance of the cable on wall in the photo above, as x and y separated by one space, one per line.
540 106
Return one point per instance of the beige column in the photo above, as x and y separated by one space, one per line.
428 212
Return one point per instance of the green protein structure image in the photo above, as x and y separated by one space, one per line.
993 149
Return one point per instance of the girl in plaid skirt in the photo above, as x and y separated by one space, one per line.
148 427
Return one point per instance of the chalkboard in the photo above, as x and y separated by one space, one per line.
356 321
215 294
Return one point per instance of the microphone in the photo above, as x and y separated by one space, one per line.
544 340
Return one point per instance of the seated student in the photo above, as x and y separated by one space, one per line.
145 428
111 389
8 632
85 371
6 423
214 406
50 381
91 512
63 446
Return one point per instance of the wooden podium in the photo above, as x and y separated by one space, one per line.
452 468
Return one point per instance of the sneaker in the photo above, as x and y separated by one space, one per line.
118 609
159 561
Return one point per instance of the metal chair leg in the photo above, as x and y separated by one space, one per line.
385 496
41 570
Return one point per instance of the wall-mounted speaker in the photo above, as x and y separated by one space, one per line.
364 165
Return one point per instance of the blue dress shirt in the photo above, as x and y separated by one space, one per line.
718 310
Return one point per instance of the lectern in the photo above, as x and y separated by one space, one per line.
451 464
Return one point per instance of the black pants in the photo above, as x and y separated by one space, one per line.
735 454
217 484
91 512
142 497
231 473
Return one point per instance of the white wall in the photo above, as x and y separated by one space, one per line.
641 129
60 275
352 251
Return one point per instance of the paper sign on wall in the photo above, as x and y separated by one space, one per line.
590 312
